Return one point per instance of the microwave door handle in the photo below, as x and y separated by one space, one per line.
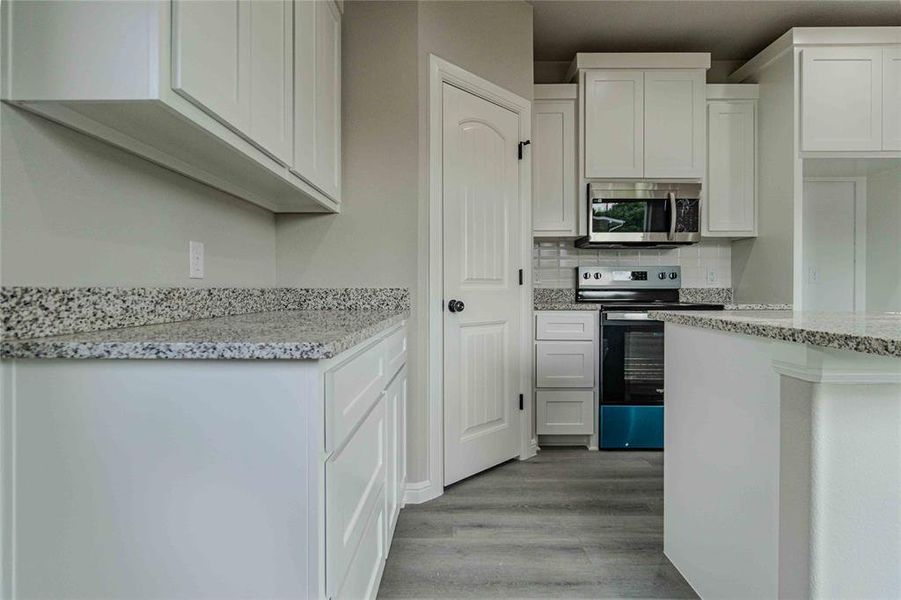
672 214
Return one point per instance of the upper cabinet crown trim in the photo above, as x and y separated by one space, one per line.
637 60
816 36
555 91
733 91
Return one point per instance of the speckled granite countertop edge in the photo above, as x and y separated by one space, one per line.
814 335
92 345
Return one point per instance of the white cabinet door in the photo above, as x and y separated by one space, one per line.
554 168
564 364
271 77
317 94
565 412
730 207
891 99
841 99
674 123
614 123
211 61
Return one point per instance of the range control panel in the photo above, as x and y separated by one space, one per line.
629 277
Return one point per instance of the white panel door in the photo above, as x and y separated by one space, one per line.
731 169
554 168
841 99
614 123
569 412
211 57
481 261
674 123
564 364
891 99
317 94
271 77
394 396
829 245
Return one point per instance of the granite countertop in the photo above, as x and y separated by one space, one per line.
282 334
871 333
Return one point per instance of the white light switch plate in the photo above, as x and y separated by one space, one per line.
711 276
195 260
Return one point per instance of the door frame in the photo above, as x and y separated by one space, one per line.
441 72
860 236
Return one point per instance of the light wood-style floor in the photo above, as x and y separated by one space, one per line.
566 524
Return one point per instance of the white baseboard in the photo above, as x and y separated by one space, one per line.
417 492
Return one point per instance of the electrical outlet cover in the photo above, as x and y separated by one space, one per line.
195 260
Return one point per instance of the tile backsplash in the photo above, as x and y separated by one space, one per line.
707 264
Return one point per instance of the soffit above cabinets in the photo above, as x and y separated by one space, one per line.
637 60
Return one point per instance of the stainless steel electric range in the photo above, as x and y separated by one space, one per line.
631 358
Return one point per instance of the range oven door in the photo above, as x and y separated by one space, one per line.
642 214
631 393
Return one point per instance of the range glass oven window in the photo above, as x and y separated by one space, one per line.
632 368
630 216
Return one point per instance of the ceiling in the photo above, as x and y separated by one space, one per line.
728 29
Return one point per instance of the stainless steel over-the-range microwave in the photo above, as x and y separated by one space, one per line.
642 213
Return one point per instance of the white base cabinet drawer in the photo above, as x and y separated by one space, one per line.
553 325
564 364
354 483
365 572
352 389
565 412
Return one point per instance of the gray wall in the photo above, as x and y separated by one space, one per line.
75 211
763 267
884 240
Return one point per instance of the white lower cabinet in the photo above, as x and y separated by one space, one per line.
265 478
566 362
365 471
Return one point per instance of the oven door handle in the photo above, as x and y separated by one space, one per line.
672 214
626 316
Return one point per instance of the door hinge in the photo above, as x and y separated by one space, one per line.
519 151
520 402
520 277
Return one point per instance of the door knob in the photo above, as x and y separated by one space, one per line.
455 306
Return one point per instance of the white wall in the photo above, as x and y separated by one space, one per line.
884 240
77 212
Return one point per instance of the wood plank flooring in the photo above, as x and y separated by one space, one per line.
566 524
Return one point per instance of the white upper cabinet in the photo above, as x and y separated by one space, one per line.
891 99
841 99
553 160
674 127
730 204
644 123
317 102
203 87
211 57
614 123
272 78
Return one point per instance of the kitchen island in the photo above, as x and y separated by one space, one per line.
782 469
